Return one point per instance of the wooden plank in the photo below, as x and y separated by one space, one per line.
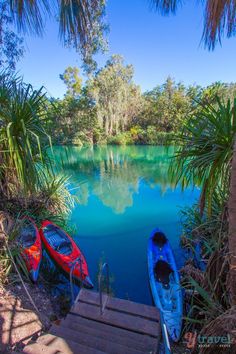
72 319
79 348
106 346
134 308
128 306
91 297
122 320
109 333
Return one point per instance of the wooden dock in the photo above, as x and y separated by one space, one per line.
124 327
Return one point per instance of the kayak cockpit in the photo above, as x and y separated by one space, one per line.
58 240
163 271
167 286
27 236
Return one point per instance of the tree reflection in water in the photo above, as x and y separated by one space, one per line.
114 173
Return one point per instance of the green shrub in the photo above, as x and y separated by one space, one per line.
138 135
165 138
99 137
151 136
120 139
81 138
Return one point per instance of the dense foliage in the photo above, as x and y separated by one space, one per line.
27 180
110 107
206 150
28 184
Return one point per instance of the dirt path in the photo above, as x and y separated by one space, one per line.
19 321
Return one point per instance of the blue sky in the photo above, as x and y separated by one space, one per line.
157 46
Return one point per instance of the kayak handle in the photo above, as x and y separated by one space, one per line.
165 335
103 267
76 261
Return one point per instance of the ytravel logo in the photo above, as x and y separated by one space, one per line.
194 340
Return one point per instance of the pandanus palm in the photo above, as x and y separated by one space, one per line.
27 175
208 157
232 229
23 140
206 151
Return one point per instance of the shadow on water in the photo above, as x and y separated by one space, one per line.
123 192
57 282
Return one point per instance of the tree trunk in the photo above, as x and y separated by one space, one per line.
117 127
111 126
232 230
106 126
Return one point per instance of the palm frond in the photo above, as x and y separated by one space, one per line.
166 7
75 18
220 17
29 15
204 157
80 24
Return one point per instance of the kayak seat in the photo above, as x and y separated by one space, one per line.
162 272
58 240
65 248
159 239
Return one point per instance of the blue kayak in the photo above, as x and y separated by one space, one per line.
165 283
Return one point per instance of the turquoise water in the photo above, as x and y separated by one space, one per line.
122 193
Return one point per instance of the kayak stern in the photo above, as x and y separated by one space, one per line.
34 273
88 282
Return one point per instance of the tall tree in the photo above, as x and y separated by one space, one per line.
73 81
116 97
166 106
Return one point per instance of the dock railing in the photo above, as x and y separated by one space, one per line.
78 260
103 267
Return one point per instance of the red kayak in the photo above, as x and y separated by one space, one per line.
31 247
65 252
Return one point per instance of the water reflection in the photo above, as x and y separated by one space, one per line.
113 173
124 193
